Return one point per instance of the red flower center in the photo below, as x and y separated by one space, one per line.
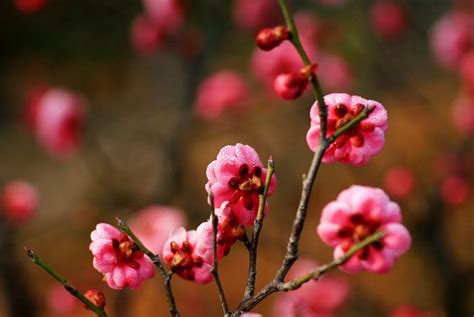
247 185
354 134
127 252
359 228
183 260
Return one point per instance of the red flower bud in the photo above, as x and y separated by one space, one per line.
96 297
268 39
292 85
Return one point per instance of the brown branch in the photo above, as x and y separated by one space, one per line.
214 269
257 228
157 262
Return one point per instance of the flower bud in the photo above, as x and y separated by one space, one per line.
290 86
96 297
268 39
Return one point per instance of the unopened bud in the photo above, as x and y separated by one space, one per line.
292 85
268 39
96 297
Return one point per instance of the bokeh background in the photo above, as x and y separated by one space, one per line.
144 144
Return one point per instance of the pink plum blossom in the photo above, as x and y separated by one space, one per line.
319 298
463 114
252 15
466 72
29 6
118 258
56 118
357 213
238 176
388 18
359 143
20 201
229 230
399 181
146 35
153 225
455 190
452 38
60 301
335 72
189 254
168 14
220 92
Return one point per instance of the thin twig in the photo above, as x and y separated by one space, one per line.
215 270
157 262
257 228
317 273
73 291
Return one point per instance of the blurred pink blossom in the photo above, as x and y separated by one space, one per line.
186 259
220 92
463 114
334 72
20 201
153 225
56 118
146 35
452 37
466 72
455 191
410 311
319 298
358 144
238 176
167 14
118 258
252 15
60 301
388 18
399 182
358 212
29 6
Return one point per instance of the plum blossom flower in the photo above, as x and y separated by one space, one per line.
56 118
358 144
399 181
319 298
19 201
388 18
229 230
238 176
118 258
357 213
153 225
452 38
220 92
188 259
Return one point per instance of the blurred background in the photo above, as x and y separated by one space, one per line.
108 107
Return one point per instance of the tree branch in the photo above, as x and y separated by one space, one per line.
157 262
73 291
214 270
257 228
